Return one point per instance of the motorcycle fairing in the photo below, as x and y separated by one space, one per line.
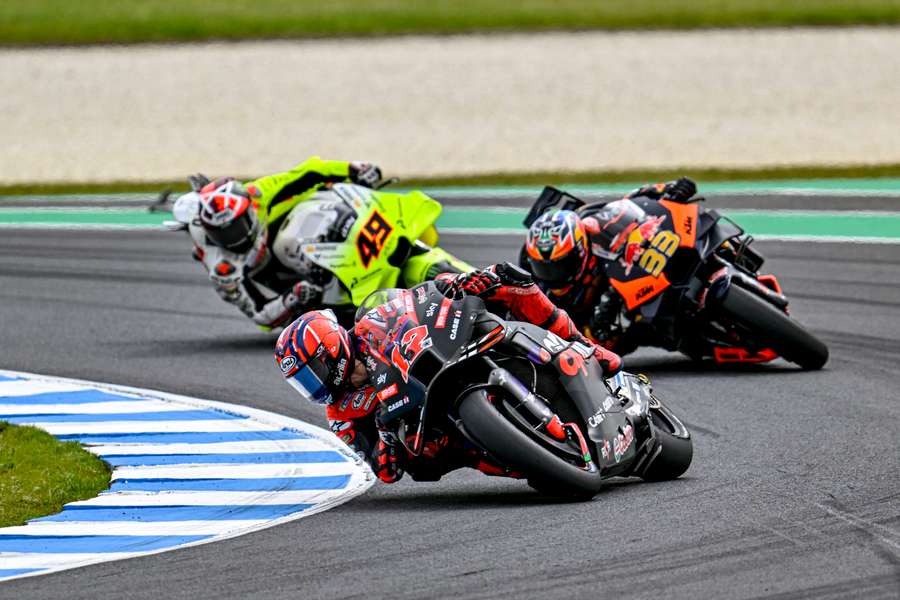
362 262
676 228
609 428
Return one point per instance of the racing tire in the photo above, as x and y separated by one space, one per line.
676 450
773 328
546 472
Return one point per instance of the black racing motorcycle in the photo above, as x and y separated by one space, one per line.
519 395
689 280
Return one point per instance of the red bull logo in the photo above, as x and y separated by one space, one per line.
637 240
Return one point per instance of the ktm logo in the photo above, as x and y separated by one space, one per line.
643 291
688 224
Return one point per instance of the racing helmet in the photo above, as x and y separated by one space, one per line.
227 215
315 356
615 221
557 248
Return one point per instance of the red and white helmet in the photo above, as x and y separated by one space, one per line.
227 215
315 356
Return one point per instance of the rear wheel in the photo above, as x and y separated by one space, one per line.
546 472
772 328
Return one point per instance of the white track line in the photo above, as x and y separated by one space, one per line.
209 498
211 448
169 516
230 471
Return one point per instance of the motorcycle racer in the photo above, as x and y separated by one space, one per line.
244 239
567 251
329 365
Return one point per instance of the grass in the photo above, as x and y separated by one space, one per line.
38 474
499 179
42 22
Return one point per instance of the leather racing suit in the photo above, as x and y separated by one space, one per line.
353 418
591 301
258 281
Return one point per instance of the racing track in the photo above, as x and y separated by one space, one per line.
794 491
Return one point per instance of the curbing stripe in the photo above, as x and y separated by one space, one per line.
186 472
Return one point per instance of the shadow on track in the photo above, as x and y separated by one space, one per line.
680 364
206 346
424 497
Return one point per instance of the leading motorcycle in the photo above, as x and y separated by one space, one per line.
520 395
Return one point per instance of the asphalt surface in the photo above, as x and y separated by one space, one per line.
794 491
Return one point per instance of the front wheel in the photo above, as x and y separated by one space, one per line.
772 328
546 472
674 449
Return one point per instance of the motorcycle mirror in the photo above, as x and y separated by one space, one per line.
386 182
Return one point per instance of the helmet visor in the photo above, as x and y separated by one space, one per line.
561 271
310 384
237 236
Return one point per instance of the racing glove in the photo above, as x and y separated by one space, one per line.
387 458
605 315
303 293
680 190
474 283
198 181
365 174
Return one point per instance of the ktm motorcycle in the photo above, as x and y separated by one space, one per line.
690 281
522 397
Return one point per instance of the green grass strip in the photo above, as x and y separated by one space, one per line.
855 177
28 22
38 474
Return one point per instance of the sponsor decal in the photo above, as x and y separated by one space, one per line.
387 392
401 402
358 398
442 314
622 442
553 343
288 363
341 367
688 224
339 426
370 363
605 449
421 296
647 289
381 379
597 418
636 242
408 301
431 308
454 328
571 363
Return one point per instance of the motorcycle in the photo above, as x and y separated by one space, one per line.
690 281
367 239
522 397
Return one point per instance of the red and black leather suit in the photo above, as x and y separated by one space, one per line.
505 288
